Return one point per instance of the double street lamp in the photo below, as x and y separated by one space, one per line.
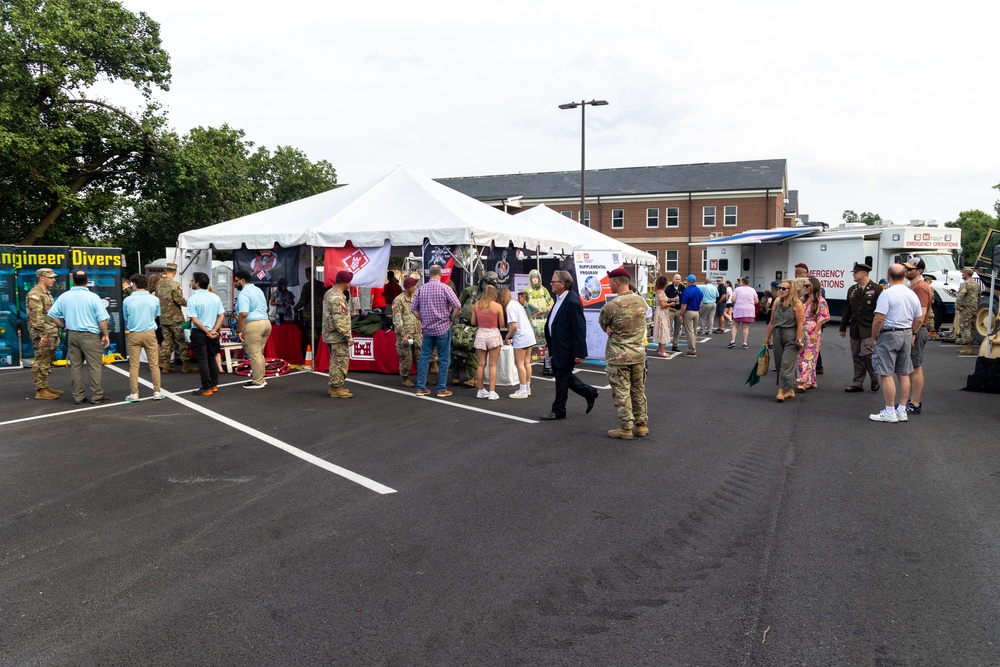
583 145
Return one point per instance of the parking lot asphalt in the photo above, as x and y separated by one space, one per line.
283 527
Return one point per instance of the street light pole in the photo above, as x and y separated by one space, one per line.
583 146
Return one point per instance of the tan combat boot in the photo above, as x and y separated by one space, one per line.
967 350
620 433
641 431
339 392
407 382
44 394
188 367
168 368
57 392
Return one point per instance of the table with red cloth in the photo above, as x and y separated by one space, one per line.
376 353
285 342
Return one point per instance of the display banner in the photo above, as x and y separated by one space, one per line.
501 261
591 268
104 274
17 275
447 258
369 265
268 267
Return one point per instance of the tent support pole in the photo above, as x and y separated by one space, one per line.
312 305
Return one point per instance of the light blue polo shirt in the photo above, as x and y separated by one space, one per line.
251 301
206 306
140 309
80 309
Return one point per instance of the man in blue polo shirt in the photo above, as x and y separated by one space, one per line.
206 313
141 309
691 300
85 318
252 326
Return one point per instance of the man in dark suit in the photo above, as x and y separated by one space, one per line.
566 338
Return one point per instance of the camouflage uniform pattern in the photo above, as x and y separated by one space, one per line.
171 318
966 305
40 325
463 336
337 334
624 319
407 326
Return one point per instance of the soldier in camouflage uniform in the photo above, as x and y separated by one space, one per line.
624 320
407 327
337 332
44 334
172 318
966 305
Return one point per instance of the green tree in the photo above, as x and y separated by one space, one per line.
866 217
209 176
66 155
975 224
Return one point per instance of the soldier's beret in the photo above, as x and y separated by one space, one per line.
344 276
620 272
408 282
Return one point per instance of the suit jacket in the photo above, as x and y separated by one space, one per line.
568 338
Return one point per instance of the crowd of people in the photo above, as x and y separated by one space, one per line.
439 331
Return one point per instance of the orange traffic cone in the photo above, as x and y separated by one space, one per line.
309 358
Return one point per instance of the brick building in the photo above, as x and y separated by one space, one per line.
658 209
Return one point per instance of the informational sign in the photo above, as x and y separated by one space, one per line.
363 349
451 260
104 273
592 268
268 267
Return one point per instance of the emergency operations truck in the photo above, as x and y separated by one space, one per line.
830 254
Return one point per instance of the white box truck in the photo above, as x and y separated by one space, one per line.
830 254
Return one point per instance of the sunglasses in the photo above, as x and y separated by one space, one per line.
783 289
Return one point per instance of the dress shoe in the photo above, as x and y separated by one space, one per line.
853 389
551 416
819 371
590 402
101 400
875 385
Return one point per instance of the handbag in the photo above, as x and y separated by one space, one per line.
763 362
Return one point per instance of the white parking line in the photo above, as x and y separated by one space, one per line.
264 437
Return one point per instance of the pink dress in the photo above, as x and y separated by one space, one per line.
813 327
661 319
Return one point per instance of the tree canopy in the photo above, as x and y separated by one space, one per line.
867 217
78 169
975 225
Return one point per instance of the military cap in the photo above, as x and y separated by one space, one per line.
45 273
620 272
171 266
344 276
802 265
408 282
858 266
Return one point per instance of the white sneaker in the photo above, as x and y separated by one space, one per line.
132 398
529 391
482 393
157 396
493 396
888 416
519 394
901 415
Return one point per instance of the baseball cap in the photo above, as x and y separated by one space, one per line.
692 278
915 263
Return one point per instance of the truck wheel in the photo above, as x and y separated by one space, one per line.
980 323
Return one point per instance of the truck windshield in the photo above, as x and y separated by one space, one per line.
938 262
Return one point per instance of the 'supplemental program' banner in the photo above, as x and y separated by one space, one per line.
591 267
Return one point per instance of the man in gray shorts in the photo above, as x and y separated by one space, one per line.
898 316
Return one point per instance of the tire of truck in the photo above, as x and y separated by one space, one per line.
980 323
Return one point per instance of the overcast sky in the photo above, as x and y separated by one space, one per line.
876 106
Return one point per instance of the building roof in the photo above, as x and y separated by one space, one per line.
669 179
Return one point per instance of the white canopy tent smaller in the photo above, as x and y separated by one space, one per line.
544 220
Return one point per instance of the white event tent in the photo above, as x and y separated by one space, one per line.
543 218
401 207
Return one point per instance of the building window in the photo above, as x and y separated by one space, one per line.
708 216
729 219
656 254
704 258
671 261
652 217
673 217
586 218
617 218
568 214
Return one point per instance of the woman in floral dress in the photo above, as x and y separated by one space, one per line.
817 314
